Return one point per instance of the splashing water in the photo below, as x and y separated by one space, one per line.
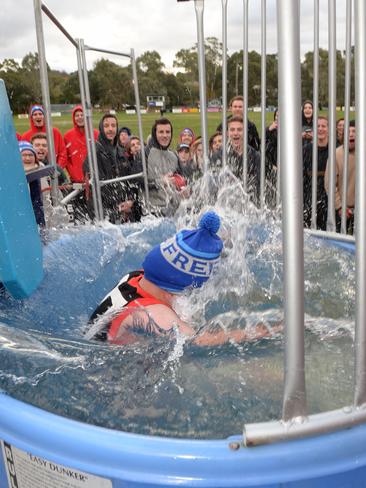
171 387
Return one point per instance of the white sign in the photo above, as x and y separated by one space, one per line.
24 470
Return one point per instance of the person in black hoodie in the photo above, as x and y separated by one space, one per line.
322 199
120 199
307 121
236 107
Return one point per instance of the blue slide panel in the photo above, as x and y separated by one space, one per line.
21 268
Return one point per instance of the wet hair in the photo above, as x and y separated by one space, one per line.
352 123
236 118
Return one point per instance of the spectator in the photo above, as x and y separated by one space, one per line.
120 199
186 136
235 158
75 142
350 197
162 163
185 162
236 107
37 123
134 155
322 199
30 163
197 155
40 144
271 160
340 132
307 121
215 143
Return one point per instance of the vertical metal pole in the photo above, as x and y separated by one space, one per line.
199 8
347 102
46 96
224 81
88 136
88 114
360 335
139 122
332 83
294 401
263 101
245 95
314 184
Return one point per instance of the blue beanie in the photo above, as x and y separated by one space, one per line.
37 107
187 258
27 146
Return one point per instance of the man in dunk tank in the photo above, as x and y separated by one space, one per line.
142 302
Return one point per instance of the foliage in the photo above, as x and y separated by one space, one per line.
111 84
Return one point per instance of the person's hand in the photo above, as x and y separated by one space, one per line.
349 212
308 135
273 126
168 179
125 207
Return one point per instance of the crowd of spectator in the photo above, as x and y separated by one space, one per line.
172 170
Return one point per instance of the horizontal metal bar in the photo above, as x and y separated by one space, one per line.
322 423
71 196
107 51
335 236
122 178
50 15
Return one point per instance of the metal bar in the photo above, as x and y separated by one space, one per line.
334 236
322 423
245 95
121 178
92 154
360 224
224 81
46 96
294 400
263 101
332 80
347 102
50 15
314 183
139 122
199 8
107 51
88 136
71 196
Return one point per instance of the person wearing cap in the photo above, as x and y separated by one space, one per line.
186 136
142 302
185 162
30 163
75 142
37 123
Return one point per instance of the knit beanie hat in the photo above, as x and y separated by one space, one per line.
187 258
27 146
37 107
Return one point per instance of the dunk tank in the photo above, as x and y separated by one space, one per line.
286 410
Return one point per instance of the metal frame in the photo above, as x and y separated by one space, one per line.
39 6
314 187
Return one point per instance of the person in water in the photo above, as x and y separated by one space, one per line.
142 302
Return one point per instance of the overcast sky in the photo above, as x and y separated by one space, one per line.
162 25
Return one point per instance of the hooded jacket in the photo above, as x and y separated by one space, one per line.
161 161
60 149
75 142
110 166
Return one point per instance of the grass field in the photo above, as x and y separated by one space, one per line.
179 122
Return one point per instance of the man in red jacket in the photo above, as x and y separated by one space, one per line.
75 142
37 123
